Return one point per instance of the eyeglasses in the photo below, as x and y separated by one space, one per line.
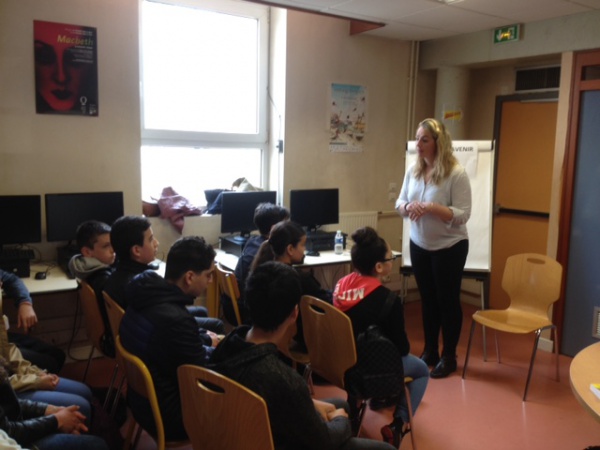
390 259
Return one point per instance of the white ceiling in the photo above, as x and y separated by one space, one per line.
421 20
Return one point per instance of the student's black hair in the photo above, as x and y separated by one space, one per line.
88 232
369 249
268 214
282 234
272 291
188 253
126 232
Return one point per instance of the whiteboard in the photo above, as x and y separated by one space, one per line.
479 226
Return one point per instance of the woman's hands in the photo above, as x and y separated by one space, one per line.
417 209
48 382
70 420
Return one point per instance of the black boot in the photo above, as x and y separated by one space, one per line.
431 357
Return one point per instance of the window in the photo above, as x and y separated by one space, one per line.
204 78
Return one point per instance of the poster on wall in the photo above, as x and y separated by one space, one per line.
66 69
347 121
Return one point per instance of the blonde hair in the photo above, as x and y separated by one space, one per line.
444 159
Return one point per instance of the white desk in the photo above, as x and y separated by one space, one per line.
326 258
56 280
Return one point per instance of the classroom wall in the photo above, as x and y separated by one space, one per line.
45 153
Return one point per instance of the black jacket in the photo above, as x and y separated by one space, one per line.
118 281
158 328
295 423
24 420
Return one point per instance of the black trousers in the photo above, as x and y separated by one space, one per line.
439 274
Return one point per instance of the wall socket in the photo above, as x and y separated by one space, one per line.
392 187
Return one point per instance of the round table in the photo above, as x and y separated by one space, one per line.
585 370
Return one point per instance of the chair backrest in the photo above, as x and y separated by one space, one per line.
221 414
139 380
92 315
329 339
532 282
115 314
228 285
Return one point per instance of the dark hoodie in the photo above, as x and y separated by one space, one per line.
158 328
295 423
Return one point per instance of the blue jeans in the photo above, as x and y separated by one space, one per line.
416 369
67 393
59 441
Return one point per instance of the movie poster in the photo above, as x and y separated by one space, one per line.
66 69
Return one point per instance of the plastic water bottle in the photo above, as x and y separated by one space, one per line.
338 247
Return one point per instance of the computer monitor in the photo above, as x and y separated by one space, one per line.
237 214
313 208
21 221
64 212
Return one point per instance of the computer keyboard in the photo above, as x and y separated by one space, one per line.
10 254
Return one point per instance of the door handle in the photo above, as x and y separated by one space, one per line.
499 209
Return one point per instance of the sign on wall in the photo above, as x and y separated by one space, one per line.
66 69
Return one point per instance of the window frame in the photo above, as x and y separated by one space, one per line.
155 137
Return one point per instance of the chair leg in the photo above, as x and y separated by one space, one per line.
497 347
308 378
468 349
113 409
533 353
111 387
556 351
357 411
410 417
87 367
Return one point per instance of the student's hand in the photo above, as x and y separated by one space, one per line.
48 382
337 413
323 408
214 338
26 317
70 420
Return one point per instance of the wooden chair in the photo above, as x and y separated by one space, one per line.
332 350
221 414
140 381
95 330
115 315
533 283
228 285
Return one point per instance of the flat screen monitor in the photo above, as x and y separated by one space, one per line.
21 221
64 212
312 208
237 214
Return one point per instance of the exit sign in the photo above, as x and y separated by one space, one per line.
506 34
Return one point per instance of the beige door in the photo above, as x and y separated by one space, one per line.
523 183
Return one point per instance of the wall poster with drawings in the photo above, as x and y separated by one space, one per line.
347 118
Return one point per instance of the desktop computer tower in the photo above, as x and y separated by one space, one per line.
233 244
322 241
19 267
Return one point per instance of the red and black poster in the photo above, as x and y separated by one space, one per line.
66 69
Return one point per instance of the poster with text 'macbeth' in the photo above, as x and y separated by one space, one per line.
66 69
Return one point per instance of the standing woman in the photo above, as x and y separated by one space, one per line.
436 197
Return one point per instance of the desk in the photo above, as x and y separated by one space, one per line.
56 280
326 258
584 370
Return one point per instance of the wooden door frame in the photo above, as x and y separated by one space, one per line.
578 86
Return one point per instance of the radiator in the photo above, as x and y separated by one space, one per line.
351 221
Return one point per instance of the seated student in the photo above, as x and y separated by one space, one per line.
94 265
35 350
287 244
158 328
265 216
135 246
362 296
251 356
32 383
43 426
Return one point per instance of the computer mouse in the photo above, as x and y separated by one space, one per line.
40 276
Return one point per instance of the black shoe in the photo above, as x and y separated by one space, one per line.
430 358
444 368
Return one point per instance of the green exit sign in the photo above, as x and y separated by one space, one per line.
506 34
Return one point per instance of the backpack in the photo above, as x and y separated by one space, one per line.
379 372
